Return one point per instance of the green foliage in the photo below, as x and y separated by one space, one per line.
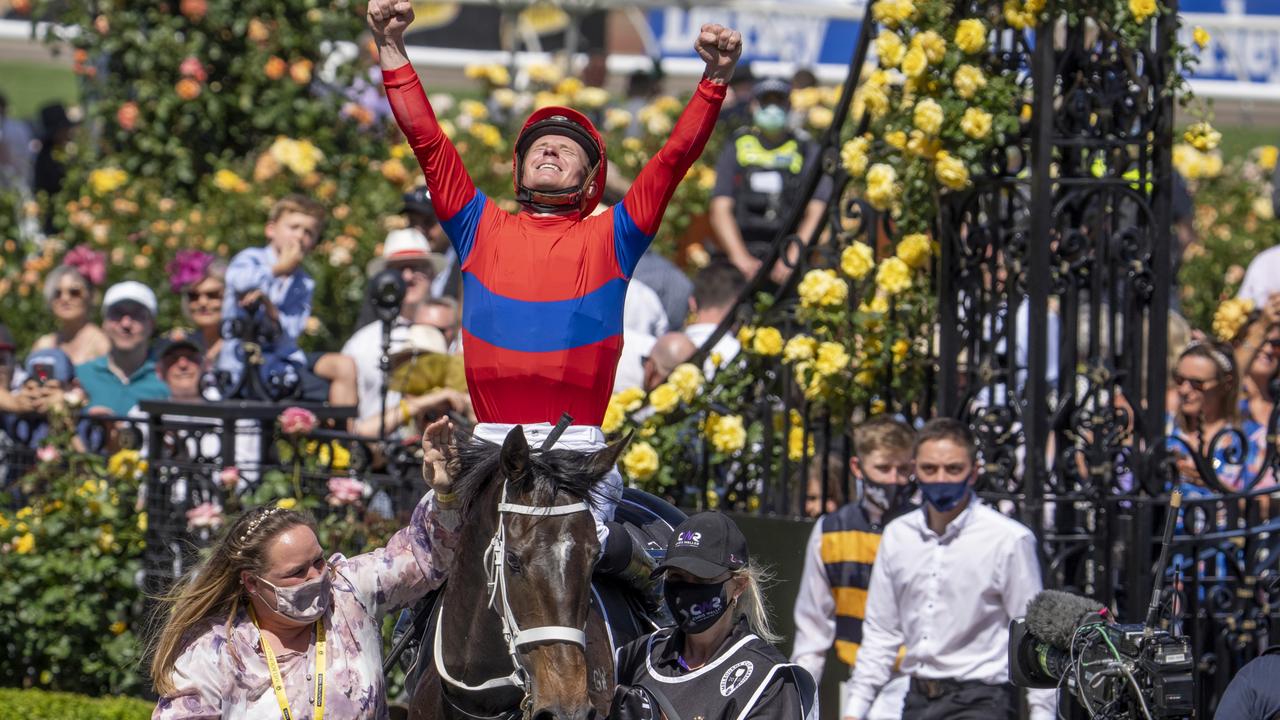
42 705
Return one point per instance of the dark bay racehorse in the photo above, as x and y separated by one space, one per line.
513 632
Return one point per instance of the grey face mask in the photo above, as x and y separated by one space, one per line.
304 602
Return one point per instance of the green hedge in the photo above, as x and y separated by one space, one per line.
42 705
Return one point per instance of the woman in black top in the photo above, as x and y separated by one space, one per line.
718 663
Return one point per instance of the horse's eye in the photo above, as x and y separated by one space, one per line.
513 562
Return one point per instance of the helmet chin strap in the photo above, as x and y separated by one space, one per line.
557 200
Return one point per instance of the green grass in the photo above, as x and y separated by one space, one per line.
29 85
42 705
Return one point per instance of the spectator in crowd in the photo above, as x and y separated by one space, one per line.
10 402
642 87
269 286
719 661
803 79
69 294
636 347
445 315
16 161
758 179
407 252
824 487
49 171
946 582
200 280
831 605
126 375
178 364
642 311
1253 693
736 111
666 354
1262 278
1206 403
49 377
421 214
673 287
715 290
424 383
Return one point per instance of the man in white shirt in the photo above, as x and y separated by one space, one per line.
715 289
405 250
946 582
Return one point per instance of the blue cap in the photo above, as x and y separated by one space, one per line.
50 364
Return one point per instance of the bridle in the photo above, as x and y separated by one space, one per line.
512 633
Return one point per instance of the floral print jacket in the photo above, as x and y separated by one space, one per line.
224 674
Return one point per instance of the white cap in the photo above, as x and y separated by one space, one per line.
132 291
406 244
422 339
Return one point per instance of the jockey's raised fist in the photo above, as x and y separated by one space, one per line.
389 18
719 47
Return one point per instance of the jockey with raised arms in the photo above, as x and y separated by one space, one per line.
543 289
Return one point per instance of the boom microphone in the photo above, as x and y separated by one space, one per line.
1053 616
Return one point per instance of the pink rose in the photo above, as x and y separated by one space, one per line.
297 421
127 115
48 454
187 268
345 490
192 68
91 264
229 477
204 515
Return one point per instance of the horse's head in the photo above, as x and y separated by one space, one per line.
542 557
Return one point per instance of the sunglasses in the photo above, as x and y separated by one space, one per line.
194 295
73 293
1197 384
137 314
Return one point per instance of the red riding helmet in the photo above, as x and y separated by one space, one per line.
570 123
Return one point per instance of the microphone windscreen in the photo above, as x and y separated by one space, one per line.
1053 616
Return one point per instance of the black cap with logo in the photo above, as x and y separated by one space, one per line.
706 546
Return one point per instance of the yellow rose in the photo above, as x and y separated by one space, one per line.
857 260
915 250
1201 36
286 503
1267 155
820 117
688 378
797 448
878 305
854 156
630 399
871 99
800 347
118 627
227 181
923 145
106 180
473 109
804 98
889 48
1230 317
971 35
24 544
744 334
1142 9
951 171
592 98
900 349
893 276
976 123
614 416
664 398
545 73
640 461
968 80
882 189
831 359
933 45
928 116
616 119
893 12
821 288
896 139
768 341
727 433
914 63
865 378
1202 136
1016 17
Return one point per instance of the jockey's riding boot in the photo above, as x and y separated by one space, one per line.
629 562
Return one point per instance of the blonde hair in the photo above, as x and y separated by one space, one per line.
751 602
212 588
882 432
299 204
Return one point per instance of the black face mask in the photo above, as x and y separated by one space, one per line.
696 606
888 498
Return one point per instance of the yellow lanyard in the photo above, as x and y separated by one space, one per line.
277 682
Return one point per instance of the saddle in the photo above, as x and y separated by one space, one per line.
649 520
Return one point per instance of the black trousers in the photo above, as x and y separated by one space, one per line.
952 700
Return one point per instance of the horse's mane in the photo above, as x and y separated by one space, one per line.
479 466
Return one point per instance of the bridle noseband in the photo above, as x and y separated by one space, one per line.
512 633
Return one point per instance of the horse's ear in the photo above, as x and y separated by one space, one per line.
515 455
604 460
